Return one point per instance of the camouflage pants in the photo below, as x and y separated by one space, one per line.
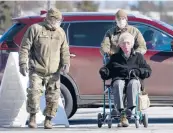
35 90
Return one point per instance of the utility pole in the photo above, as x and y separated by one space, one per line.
48 4
161 9
17 9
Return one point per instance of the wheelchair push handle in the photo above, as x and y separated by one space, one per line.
133 73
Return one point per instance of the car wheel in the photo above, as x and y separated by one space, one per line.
67 100
74 110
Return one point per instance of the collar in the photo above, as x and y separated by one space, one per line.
118 30
48 26
133 53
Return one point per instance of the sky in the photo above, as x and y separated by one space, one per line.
131 2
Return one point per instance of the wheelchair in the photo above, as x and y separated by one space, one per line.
106 117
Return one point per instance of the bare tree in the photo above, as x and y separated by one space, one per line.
5 15
64 5
30 5
87 6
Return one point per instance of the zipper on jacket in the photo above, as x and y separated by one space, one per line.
50 39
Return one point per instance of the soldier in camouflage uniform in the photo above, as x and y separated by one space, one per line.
109 43
45 50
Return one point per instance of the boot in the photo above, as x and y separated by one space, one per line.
123 121
32 121
47 123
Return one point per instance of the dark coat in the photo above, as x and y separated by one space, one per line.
119 67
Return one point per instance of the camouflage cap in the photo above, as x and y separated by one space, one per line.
121 13
53 12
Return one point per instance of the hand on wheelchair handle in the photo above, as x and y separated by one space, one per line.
134 73
145 74
108 54
104 73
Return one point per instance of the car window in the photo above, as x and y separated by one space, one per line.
155 39
164 24
64 26
13 30
10 33
88 33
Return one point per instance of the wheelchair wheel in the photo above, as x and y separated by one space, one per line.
99 120
137 123
145 120
109 123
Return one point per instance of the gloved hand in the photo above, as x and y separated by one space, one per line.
134 73
109 53
65 69
23 69
104 73
144 73
134 70
141 73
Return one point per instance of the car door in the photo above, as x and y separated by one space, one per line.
85 39
65 26
160 58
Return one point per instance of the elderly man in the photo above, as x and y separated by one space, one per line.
118 69
109 44
45 48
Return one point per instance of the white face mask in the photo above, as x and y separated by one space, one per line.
57 24
54 22
122 23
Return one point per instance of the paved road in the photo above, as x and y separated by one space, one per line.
84 121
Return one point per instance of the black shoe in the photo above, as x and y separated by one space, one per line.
123 121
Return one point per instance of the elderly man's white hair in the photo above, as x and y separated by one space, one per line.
126 37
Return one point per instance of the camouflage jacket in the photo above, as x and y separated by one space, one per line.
110 40
45 49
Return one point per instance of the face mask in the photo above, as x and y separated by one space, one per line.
57 24
54 22
122 23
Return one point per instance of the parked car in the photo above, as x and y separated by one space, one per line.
85 31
